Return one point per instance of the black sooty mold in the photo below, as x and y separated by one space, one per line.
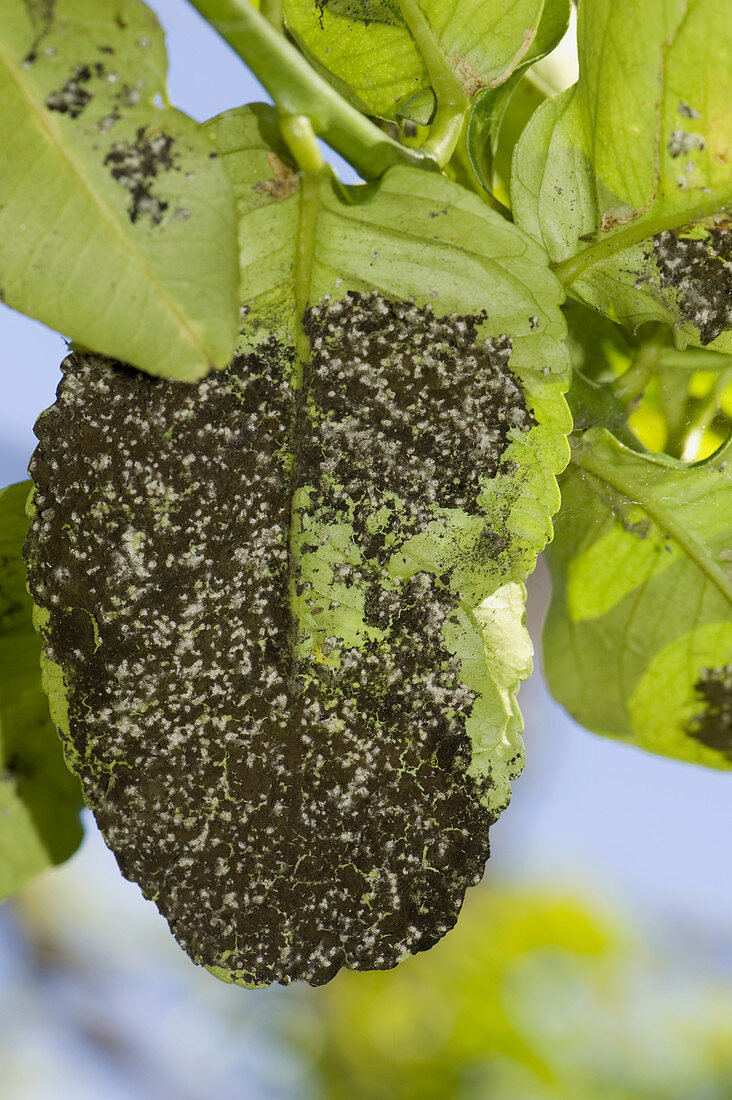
135 165
288 816
713 725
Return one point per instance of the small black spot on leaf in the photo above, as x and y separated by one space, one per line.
136 164
713 725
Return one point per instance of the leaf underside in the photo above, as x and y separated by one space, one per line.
284 645
117 223
638 640
368 51
39 798
627 179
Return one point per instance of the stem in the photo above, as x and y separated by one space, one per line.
630 386
452 101
272 12
673 389
298 90
461 169
568 271
694 359
298 132
704 417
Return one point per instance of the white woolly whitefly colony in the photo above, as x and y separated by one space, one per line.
700 271
288 816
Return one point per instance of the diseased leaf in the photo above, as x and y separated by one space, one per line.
627 178
370 54
290 633
39 798
116 221
638 640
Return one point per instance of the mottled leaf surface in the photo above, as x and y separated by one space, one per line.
627 177
638 640
40 799
288 631
117 223
370 53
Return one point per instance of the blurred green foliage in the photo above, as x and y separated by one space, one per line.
529 998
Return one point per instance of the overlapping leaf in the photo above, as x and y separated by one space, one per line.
627 177
116 221
288 633
638 640
39 798
372 55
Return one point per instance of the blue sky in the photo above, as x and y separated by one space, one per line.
650 834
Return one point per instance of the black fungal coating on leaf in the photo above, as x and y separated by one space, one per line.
364 11
701 272
73 98
288 817
713 726
135 164
393 389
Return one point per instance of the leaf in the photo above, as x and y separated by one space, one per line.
500 114
116 220
371 55
511 105
290 633
638 640
626 178
39 798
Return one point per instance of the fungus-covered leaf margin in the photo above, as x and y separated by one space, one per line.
304 239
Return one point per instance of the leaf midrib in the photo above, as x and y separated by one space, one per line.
49 132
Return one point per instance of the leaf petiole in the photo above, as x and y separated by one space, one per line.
704 417
452 101
630 386
297 130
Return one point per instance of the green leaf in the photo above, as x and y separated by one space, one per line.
288 633
499 115
39 798
626 178
495 123
380 52
638 640
117 224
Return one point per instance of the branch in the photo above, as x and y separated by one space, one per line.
298 90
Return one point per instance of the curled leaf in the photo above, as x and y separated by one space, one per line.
378 52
